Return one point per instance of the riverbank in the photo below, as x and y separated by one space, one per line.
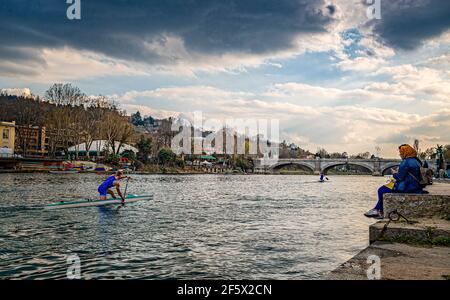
186 172
414 245
183 172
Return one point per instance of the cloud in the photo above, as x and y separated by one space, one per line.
423 83
338 128
64 64
318 95
361 64
161 32
442 61
429 129
408 24
360 52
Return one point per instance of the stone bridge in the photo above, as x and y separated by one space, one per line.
376 166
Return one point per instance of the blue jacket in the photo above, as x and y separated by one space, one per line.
405 182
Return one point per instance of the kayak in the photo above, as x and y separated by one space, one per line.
90 202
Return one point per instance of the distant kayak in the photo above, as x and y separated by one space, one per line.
90 202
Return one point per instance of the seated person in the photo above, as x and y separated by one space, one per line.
406 180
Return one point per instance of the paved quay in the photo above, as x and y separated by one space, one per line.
413 244
398 262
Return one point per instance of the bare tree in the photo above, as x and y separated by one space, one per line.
116 128
65 94
58 128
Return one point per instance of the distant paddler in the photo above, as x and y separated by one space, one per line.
111 181
322 176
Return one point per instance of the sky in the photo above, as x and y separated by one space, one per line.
332 74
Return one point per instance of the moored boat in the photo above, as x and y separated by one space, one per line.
64 171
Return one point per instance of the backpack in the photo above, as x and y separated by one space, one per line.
426 177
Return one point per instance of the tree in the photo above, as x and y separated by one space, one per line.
136 119
77 122
65 94
180 162
145 148
336 155
430 153
89 128
364 155
244 164
65 120
116 128
148 121
58 124
447 152
285 151
166 156
70 118
322 153
96 108
128 154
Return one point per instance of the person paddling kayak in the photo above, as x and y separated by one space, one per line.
322 176
111 181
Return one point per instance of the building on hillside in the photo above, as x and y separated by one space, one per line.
157 123
31 141
7 138
17 92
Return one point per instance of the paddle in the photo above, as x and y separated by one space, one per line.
126 186
124 194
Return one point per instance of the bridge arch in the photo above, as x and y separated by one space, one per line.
280 165
326 167
387 166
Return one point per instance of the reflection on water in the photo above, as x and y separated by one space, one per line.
196 227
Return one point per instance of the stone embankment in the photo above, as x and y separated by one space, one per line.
412 242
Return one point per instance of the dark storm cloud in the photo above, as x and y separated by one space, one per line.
118 28
406 24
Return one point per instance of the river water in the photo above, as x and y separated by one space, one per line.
196 227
